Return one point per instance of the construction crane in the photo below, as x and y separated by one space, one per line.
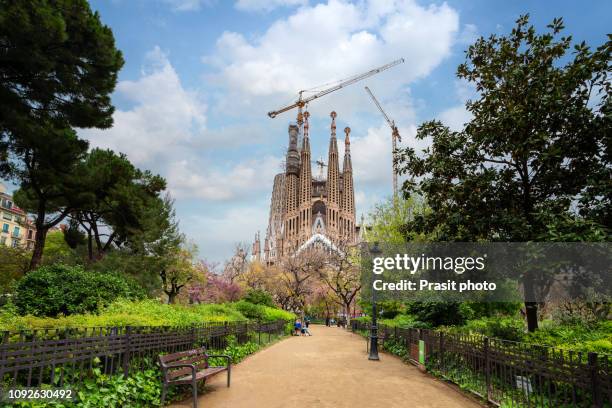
301 101
395 138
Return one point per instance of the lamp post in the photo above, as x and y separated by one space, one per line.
374 251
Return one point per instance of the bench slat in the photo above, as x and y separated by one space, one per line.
209 372
170 358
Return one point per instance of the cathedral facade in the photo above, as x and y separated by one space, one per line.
306 209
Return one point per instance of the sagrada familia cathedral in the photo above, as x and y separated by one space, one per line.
306 209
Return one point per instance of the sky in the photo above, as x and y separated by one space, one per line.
200 76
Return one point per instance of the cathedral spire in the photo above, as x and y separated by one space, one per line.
305 169
348 193
347 164
333 180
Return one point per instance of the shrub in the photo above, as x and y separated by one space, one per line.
507 328
147 312
436 313
259 297
59 289
261 312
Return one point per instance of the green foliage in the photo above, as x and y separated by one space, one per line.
236 351
141 389
259 297
261 312
436 313
581 337
389 217
57 250
140 313
53 93
501 327
60 289
533 163
74 82
14 263
121 198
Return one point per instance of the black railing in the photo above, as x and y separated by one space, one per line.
506 373
31 358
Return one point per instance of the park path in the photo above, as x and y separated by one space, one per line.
331 370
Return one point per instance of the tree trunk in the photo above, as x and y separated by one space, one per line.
39 246
531 312
531 307
89 246
41 236
171 297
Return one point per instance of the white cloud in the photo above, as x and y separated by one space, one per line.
330 41
455 117
165 131
267 5
371 154
187 5
164 116
188 179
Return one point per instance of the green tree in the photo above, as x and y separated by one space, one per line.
14 263
51 186
119 199
58 63
389 217
56 249
58 67
259 297
536 149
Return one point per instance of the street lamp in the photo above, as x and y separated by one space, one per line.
374 251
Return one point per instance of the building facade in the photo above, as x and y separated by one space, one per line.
304 208
16 230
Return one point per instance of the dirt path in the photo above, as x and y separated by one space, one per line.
329 369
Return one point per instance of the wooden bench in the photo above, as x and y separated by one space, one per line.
189 367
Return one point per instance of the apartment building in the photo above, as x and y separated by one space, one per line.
16 229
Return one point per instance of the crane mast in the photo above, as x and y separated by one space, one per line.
395 137
301 101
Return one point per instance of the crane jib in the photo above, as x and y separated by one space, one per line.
342 84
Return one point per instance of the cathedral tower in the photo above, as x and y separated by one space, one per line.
347 229
333 185
305 202
291 189
307 210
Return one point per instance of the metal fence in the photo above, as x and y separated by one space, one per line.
65 356
506 373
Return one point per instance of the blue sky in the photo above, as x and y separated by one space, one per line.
200 76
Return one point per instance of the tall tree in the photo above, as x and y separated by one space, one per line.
58 67
342 274
237 264
119 198
58 63
297 275
536 149
50 182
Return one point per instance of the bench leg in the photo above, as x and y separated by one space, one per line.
194 384
163 394
229 374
